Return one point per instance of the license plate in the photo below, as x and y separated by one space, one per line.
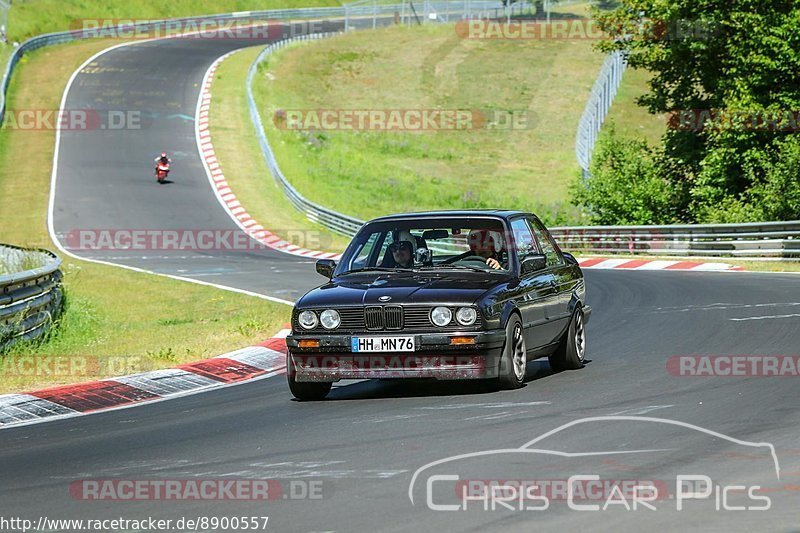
382 344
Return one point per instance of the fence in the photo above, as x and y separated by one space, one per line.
30 300
597 108
367 13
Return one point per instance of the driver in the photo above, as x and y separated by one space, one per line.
487 245
402 250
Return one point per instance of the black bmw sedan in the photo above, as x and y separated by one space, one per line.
446 295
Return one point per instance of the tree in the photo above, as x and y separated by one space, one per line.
728 72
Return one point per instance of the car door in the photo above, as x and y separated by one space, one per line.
558 314
535 289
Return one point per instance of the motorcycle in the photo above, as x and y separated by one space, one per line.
162 170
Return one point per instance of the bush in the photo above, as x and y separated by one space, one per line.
773 175
626 184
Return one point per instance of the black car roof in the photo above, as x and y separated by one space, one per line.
501 213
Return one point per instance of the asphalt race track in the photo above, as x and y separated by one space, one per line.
105 176
347 464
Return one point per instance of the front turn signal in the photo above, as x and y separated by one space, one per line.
308 343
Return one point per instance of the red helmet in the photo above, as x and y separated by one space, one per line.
163 154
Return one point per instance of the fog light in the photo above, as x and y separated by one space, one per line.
308 343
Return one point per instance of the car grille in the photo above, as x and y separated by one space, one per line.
387 318
373 316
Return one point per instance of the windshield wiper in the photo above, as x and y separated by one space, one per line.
451 265
380 269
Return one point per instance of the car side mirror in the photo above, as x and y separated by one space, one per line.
533 262
325 267
423 255
570 258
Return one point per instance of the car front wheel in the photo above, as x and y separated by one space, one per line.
514 359
308 391
571 351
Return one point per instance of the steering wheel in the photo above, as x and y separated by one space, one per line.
473 259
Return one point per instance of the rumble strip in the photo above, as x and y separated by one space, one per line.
255 362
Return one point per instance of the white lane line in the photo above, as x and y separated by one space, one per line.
393 418
765 317
497 405
641 410
496 416
54 182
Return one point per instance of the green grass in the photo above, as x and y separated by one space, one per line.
28 18
366 174
240 158
111 312
631 119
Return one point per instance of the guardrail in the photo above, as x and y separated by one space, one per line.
29 300
597 108
779 240
316 213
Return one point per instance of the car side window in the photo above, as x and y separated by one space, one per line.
523 238
549 248
362 256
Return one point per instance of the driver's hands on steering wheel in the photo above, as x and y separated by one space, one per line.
493 263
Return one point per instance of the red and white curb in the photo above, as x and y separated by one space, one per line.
265 360
603 263
221 188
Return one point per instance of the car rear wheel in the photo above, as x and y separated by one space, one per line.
514 359
571 351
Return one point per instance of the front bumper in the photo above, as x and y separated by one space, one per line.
434 357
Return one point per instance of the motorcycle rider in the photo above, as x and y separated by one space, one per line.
162 160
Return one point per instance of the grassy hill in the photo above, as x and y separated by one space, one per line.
368 173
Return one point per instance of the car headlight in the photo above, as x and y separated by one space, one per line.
308 319
330 319
466 316
441 316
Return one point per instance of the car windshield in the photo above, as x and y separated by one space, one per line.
463 243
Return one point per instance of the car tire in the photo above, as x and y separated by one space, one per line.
311 391
513 360
571 351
